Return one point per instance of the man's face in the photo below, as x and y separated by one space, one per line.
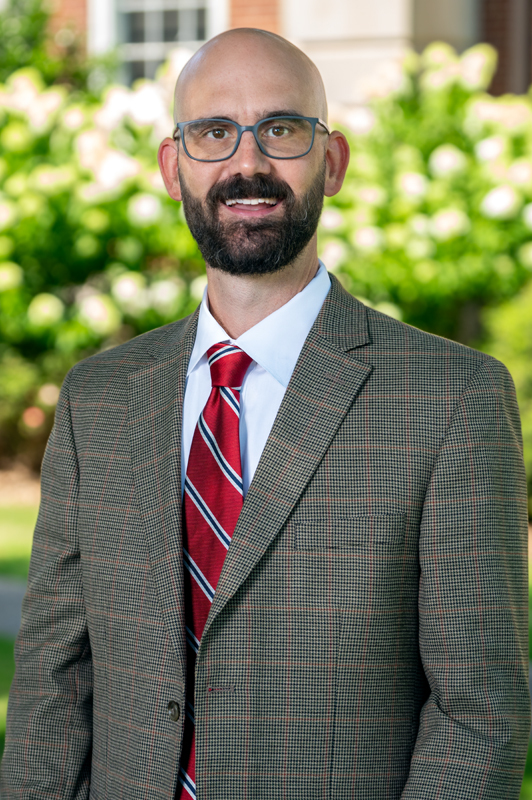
237 237
253 245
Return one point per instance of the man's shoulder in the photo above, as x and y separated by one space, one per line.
135 353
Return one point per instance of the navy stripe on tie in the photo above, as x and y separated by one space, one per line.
230 399
206 513
192 639
231 474
198 575
228 350
187 782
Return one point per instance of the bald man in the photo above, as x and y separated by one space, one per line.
281 551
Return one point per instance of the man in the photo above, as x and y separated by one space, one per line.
314 587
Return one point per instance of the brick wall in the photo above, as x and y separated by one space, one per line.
263 14
507 25
70 14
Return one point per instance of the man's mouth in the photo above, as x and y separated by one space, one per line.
252 201
252 206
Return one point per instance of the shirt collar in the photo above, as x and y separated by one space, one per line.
276 341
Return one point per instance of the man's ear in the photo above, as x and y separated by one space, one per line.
168 163
336 159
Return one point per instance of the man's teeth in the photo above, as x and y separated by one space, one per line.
251 201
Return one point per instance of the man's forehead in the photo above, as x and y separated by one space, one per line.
254 75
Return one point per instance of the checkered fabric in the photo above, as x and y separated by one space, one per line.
214 494
368 634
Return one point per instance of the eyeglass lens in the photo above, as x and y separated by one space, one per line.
281 137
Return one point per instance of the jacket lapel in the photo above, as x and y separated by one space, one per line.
325 382
155 406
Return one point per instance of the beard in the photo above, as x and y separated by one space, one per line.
253 247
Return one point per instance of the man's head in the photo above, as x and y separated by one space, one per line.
246 75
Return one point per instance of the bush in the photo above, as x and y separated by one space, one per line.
92 250
435 219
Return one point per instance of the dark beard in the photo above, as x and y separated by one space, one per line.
253 247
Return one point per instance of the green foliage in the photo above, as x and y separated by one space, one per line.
436 214
92 250
25 37
509 329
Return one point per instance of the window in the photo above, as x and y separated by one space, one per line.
149 29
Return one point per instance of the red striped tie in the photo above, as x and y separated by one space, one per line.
212 503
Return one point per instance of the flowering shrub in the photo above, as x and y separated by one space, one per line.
435 220
92 250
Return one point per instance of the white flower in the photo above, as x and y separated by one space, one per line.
115 168
115 107
51 179
372 195
8 214
489 149
99 313
333 254
388 78
331 219
360 120
129 290
503 202
45 310
197 287
413 184
368 238
477 66
147 104
449 223
527 216
520 172
11 275
165 295
73 118
447 160
144 209
48 394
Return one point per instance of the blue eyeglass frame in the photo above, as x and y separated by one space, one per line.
254 129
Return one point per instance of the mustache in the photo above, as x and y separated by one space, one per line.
239 188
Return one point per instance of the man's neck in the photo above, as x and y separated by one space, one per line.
238 302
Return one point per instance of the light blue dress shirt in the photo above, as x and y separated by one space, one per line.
274 344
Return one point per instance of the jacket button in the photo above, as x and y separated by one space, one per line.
174 712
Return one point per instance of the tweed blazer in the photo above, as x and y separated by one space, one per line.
368 635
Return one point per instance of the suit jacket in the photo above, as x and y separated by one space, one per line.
368 636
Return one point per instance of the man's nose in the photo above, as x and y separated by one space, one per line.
249 158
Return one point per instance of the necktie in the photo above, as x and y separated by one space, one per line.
212 503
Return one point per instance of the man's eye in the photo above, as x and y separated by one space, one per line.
278 131
216 133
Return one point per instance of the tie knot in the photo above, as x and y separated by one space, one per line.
228 365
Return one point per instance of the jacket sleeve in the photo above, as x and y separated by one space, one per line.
49 720
473 603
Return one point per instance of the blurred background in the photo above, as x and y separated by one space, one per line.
433 226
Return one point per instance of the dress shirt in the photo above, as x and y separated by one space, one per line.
274 344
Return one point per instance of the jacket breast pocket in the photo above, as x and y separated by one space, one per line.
359 532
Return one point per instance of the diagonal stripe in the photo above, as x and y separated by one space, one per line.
231 474
206 513
228 350
191 639
190 712
230 399
198 575
187 782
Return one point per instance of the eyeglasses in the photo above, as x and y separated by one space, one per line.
277 137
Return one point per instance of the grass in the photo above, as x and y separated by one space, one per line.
16 531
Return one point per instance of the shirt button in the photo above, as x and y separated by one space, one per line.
174 711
